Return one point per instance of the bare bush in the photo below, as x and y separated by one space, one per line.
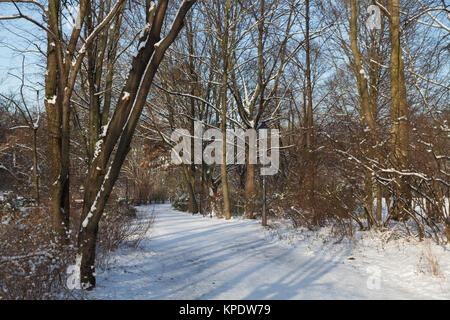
32 263
120 225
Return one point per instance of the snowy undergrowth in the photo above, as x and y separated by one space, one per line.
400 258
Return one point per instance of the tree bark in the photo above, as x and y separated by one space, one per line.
250 191
367 101
399 115
192 205
59 188
226 59
36 169
309 121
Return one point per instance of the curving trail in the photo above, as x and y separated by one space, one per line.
193 257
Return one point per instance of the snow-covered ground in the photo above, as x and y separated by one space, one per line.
194 257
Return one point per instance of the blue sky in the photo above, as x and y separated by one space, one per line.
10 59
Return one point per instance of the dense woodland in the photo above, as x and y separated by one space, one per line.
363 115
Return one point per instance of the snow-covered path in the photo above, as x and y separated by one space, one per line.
194 257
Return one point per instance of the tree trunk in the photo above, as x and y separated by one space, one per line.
250 191
36 169
309 121
399 115
367 108
379 203
192 206
59 186
226 59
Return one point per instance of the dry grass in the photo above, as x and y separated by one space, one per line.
428 262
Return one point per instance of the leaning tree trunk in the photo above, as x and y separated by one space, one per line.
105 167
